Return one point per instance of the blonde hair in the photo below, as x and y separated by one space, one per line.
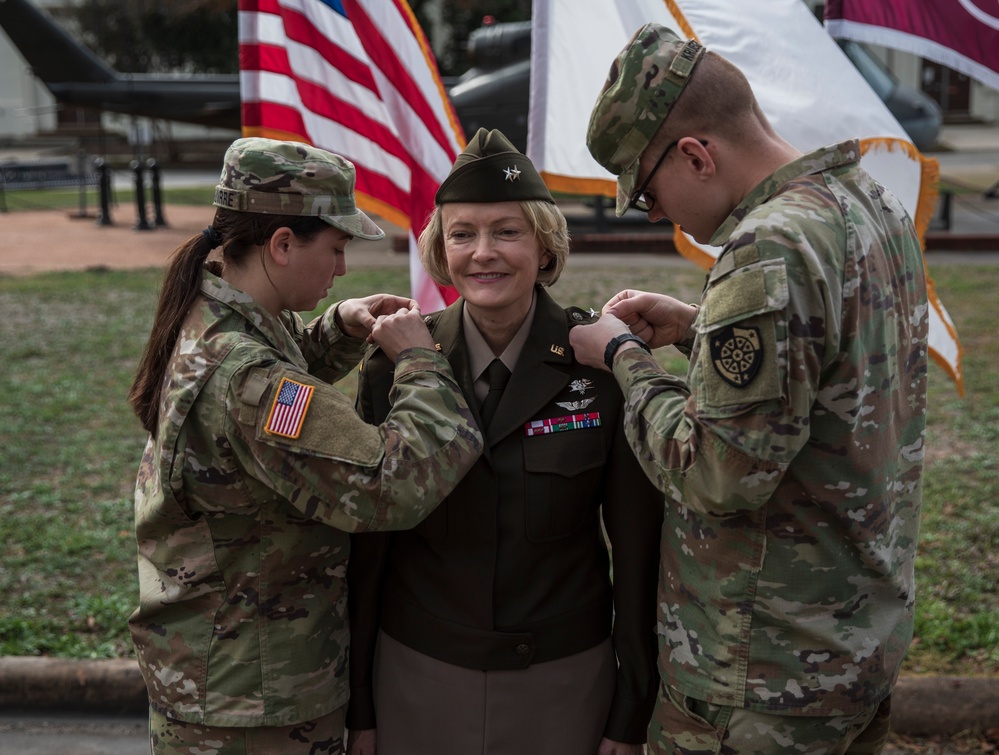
547 223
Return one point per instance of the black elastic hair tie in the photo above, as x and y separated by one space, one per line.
212 237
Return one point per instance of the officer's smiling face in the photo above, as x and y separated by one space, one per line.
492 255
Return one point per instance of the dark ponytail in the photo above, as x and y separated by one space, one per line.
238 233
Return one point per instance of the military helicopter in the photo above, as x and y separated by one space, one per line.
76 76
492 93
499 55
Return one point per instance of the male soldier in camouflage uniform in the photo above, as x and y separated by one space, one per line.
244 497
792 452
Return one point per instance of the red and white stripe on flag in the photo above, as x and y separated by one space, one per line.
961 34
355 77
291 402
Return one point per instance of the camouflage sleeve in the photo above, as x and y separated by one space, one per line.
686 344
722 439
302 439
330 352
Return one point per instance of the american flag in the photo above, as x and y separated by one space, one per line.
355 77
288 411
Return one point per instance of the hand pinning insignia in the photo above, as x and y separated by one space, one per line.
594 313
512 173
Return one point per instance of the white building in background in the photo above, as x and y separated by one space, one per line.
26 107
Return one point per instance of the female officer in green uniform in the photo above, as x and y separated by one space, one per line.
500 631
256 467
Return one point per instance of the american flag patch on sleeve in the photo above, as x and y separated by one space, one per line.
289 407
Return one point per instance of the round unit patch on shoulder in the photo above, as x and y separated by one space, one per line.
737 354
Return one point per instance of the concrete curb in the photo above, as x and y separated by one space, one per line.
921 706
111 686
928 705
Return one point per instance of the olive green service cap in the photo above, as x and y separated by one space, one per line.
491 169
275 177
644 82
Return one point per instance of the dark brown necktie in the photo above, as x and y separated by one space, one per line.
498 375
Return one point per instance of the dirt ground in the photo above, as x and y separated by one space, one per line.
43 240
36 241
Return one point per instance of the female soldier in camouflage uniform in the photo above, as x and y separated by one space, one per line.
256 467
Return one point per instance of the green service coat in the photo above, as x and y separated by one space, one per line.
512 569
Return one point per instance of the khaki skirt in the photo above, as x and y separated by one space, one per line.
427 707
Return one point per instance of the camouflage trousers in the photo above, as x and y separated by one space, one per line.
685 726
322 736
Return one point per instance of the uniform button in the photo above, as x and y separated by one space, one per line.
523 649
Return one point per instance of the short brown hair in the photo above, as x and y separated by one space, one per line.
717 100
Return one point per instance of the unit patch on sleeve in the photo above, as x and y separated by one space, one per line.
291 402
737 354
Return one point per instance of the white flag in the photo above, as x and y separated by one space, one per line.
809 90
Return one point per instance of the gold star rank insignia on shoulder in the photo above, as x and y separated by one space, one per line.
512 173
737 354
291 402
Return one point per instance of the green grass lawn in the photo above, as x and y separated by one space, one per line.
69 448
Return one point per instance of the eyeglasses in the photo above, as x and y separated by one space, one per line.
638 199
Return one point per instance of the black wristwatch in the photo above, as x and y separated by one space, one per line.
615 342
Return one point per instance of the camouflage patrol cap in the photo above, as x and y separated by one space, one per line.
491 169
644 82
275 177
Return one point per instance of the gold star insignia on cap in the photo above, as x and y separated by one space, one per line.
512 173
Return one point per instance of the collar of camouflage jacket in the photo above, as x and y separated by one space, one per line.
824 158
263 322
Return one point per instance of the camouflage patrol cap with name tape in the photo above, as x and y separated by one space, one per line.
276 177
644 82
